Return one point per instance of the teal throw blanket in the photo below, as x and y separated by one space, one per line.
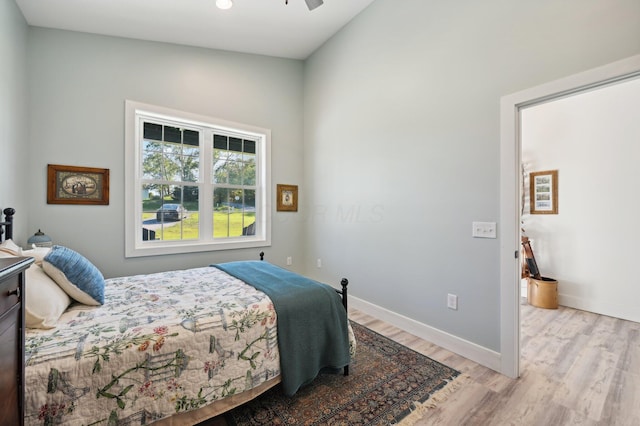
312 323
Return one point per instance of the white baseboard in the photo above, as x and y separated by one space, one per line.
627 312
469 350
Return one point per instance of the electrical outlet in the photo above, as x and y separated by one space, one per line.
319 263
289 261
452 301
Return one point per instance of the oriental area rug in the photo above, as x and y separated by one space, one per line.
388 384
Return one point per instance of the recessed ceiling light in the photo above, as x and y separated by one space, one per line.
224 4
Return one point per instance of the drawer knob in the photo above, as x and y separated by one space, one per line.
16 292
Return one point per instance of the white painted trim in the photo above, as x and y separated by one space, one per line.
469 350
509 242
510 107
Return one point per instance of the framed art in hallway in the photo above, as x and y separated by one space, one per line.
543 192
77 185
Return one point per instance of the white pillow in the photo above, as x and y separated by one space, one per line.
45 301
6 253
37 252
10 246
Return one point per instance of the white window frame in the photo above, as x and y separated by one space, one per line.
135 112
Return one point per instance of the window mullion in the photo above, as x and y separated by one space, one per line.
206 188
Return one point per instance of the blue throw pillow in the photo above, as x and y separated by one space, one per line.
78 277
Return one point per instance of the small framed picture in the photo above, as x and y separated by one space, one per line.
287 198
77 185
543 192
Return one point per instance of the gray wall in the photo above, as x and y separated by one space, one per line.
78 85
14 169
402 142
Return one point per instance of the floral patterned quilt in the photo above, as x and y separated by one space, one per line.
161 344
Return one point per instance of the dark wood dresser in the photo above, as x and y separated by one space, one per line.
12 281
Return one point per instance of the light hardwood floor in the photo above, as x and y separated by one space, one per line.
577 368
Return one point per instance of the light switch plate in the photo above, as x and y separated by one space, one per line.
483 230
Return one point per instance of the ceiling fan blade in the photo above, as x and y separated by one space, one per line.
312 4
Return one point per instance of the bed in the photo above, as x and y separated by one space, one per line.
175 347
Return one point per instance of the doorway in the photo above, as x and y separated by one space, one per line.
511 183
590 140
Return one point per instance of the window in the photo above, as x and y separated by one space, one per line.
193 183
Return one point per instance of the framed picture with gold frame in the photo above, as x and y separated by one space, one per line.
77 185
287 198
543 192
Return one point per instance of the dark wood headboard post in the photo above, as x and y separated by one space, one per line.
261 255
7 224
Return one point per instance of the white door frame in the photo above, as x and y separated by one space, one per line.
510 185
